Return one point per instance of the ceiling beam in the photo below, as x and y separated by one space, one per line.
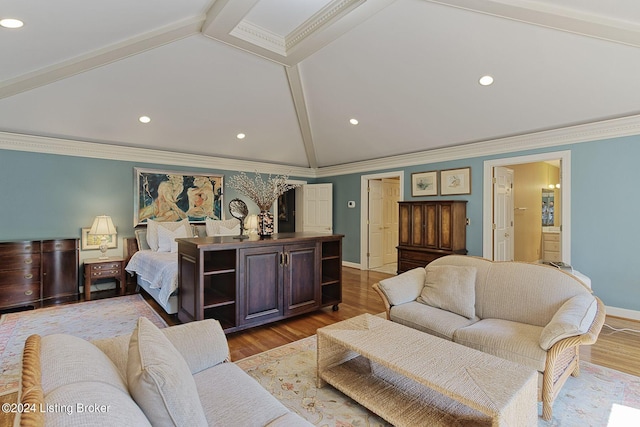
556 17
297 93
101 57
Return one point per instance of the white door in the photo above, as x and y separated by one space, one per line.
503 214
317 206
391 196
376 224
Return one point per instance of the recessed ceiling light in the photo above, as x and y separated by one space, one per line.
11 23
486 80
353 121
241 136
144 119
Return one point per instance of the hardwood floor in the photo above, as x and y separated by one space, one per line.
614 349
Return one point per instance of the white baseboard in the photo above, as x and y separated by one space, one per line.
351 264
623 312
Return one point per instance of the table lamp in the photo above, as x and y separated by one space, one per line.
102 227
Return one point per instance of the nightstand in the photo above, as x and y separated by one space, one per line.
110 268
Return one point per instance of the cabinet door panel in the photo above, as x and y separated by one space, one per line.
302 278
404 221
260 284
60 268
417 225
431 226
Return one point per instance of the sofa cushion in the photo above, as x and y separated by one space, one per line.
574 318
450 288
92 403
517 342
160 380
236 399
404 287
431 320
62 354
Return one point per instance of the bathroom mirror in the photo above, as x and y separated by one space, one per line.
548 214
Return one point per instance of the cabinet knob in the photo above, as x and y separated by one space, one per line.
27 248
28 292
28 276
28 261
58 245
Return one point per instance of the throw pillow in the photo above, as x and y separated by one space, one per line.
160 381
404 287
167 239
451 288
152 230
574 318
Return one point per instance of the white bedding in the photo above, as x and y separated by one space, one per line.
158 268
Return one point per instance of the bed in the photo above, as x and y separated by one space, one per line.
156 271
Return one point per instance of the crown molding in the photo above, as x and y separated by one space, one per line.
606 129
67 147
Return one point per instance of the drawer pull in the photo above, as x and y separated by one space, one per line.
27 248
28 292
28 276
28 261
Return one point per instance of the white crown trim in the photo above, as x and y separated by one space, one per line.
613 128
67 147
259 36
606 129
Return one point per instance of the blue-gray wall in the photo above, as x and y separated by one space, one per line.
47 196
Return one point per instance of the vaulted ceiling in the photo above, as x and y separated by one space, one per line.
290 74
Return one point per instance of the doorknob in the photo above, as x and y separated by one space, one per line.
506 234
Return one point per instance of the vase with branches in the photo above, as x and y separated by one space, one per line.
264 193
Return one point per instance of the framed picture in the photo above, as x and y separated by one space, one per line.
174 196
93 242
455 181
424 184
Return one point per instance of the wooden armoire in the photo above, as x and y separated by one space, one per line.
430 230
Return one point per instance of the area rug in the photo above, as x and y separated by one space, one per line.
90 320
599 397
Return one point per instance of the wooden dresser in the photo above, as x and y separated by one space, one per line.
246 283
38 272
430 230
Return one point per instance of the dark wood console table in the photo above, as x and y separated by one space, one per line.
250 282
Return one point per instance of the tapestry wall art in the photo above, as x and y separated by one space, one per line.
174 196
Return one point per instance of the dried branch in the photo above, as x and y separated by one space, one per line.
263 193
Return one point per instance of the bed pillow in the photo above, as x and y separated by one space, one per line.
160 381
226 227
451 288
167 239
152 230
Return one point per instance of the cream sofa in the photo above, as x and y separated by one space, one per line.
528 313
175 376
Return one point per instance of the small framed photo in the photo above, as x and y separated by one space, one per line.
455 181
93 242
424 184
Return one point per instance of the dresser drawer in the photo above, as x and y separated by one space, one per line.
15 295
10 248
19 261
59 245
551 246
106 270
425 257
23 276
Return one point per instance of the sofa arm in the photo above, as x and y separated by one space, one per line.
574 318
203 343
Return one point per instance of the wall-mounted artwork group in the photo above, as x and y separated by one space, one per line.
452 181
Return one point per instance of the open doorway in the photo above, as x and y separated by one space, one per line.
380 194
514 216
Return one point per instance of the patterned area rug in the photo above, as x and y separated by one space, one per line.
598 397
89 320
